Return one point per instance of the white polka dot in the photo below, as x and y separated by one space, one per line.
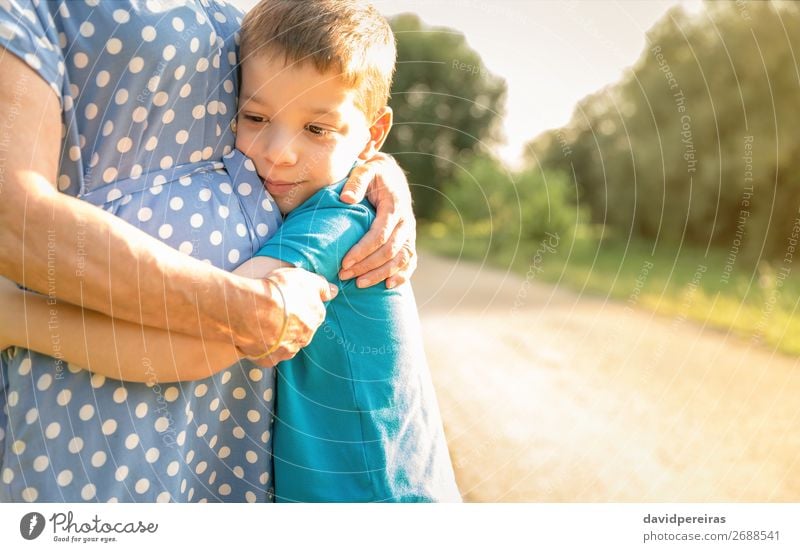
64 182
144 214
225 188
131 441
110 175
253 415
42 384
169 52
121 16
8 475
161 424
102 78
98 458
219 16
186 89
136 171
41 463
202 429
199 111
113 500
186 248
114 46
265 437
86 412
52 430
25 366
136 64
244 189
108 128
64 478
109 427
13 397
196 156
121 96
200 390
176 203
159 180
251 456
161 99
228 86
172 468
225 489
267 394
238 432
124 145
181 438
166 162
213 405
202 65
250 496
141 410
80 60
31 415
233 255
223 211
263 478
86 29
262 229
75 445
168 116
212 107
88 491
241 230
224 414
189 456
121 473
165 231
201 468
152 84
63 397
91 111
97 380
9 33
238 471
182 137
163 496
151 143
194 45
149 33
30 494
152 454
74 153
190 495
183 485
212 478
215 237
196 220
224 452
139 114
226 377
179 72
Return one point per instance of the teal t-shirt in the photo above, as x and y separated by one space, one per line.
356 418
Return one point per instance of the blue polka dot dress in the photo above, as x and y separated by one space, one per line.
147 91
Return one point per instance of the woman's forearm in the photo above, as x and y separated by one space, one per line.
114 348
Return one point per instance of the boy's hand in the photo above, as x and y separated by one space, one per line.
304 294
388 251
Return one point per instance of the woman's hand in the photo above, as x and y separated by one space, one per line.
388 251
299 304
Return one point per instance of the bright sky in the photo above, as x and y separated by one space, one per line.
551 53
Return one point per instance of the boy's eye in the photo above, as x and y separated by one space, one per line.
317 130
256 118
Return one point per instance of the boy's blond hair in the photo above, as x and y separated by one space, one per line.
345 36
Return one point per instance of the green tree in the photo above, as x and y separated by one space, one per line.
445 104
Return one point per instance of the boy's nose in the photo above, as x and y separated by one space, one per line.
278 146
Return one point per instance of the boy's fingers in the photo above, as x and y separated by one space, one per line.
356 186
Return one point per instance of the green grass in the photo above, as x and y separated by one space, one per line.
759 303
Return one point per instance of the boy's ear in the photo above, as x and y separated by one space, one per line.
378 133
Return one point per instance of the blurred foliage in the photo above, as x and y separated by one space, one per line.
698 144
445 104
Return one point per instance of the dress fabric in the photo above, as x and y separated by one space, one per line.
147 91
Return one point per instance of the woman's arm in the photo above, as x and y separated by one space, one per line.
124 273
115 348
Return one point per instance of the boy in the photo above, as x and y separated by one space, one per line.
356 418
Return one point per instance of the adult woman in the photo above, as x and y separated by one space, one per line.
143 95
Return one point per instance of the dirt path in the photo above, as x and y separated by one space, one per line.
570 398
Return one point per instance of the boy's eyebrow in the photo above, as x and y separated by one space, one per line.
311 110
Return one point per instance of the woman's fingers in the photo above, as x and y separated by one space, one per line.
393 256
300 299
357 184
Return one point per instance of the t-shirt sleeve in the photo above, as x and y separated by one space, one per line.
29 32
317 238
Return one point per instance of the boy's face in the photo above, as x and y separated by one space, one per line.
301 128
